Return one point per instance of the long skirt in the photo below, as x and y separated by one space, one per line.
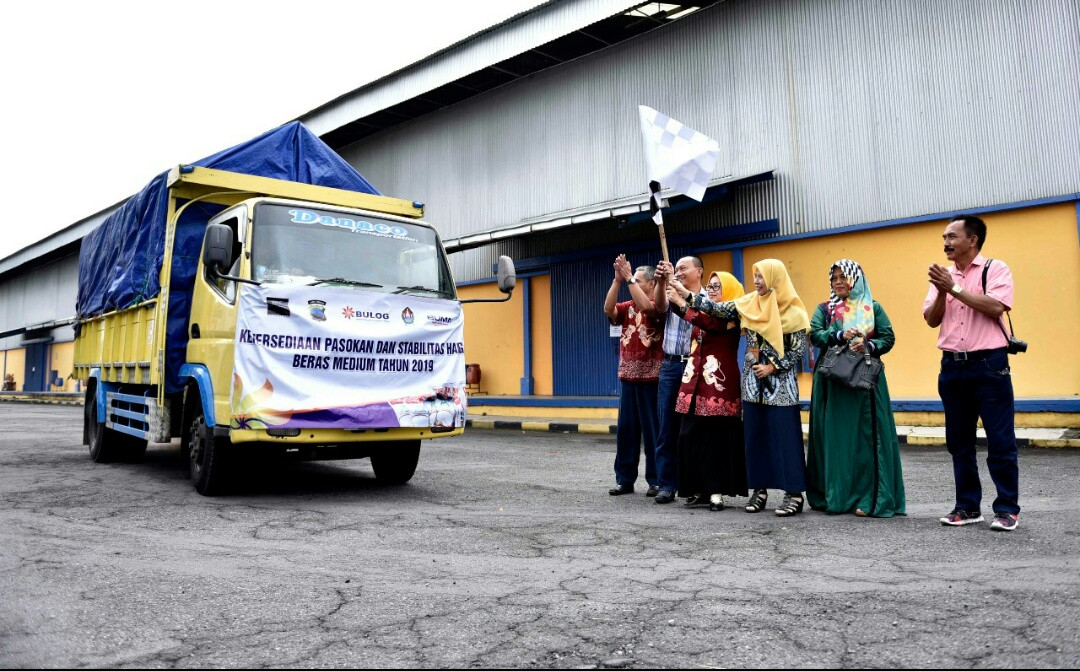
711 456
853 460
774 447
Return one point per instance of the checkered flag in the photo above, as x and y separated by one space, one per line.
655 203
678 156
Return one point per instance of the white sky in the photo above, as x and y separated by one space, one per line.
99 97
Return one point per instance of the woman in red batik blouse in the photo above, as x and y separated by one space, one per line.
712 458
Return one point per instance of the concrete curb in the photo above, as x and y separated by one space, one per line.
610 429
42 400
548 427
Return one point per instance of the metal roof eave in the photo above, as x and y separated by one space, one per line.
625 207
518 34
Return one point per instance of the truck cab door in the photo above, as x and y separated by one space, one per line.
212 327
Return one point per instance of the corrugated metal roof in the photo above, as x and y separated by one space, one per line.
535 40
509 38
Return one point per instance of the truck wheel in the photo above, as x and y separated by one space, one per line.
394 464
105 444
207 456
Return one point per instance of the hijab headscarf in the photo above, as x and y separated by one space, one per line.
779 311
857 310
731 288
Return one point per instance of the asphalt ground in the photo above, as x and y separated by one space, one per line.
506 551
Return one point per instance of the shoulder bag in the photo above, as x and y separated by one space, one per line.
851 369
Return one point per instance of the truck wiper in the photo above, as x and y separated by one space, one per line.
342 280
419 287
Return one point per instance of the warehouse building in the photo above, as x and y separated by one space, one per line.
847 129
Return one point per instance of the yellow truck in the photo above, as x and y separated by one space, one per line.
261 313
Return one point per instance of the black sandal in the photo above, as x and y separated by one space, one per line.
791 505
757 501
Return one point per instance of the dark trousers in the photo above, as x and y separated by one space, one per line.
637 423
667 430
981 389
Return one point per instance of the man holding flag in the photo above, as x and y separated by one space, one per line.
682 159
689 271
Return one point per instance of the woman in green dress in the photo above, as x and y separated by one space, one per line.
853 458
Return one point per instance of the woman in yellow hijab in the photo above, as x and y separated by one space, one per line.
775 322
712 459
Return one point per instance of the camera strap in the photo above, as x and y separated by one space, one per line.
1008 313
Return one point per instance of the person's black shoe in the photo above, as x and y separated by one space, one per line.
665 496
652 490
619 490
695 501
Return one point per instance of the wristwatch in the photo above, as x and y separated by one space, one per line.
956 289
632 280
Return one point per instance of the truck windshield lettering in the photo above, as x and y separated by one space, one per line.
354 225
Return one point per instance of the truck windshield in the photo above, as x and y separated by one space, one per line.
300 245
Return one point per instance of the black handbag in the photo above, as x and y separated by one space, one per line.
851 369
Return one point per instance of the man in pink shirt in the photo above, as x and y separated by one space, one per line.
975 380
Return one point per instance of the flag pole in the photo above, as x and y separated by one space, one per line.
658 216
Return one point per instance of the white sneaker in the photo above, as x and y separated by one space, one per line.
1005 522
959 518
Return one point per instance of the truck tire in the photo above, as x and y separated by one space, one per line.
208 456
105 444
395 464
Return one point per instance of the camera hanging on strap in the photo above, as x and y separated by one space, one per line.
1013 344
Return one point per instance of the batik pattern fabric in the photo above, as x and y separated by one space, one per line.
710 382
640 344
782 387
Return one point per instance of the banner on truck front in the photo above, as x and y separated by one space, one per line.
341 358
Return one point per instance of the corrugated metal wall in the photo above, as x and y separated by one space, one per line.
585 358
866 110
43 294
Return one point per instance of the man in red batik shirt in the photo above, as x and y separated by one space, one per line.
640 354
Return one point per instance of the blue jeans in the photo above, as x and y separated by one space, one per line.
637 422
667 429
970 390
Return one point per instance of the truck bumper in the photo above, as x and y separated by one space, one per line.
339 436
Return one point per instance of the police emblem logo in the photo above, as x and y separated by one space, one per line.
407 316
317 309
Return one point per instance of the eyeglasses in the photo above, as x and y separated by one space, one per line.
714 287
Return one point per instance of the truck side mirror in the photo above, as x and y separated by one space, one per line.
506 275
217 247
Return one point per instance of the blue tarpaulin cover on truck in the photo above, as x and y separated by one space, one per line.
120 260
